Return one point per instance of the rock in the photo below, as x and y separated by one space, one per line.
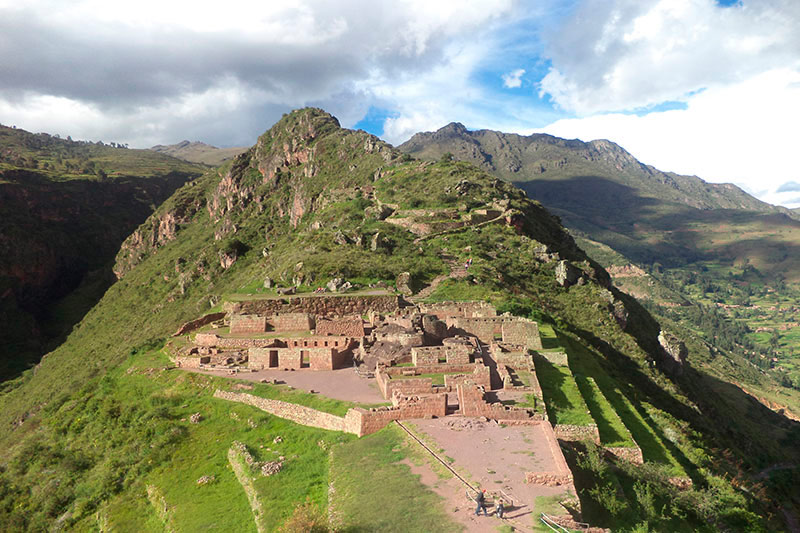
375 243
434 327
227 259
265 252
277 439
298 279
379 212
620 313
195 418
268 282
566 273
673 352
402 281
271 467
205 480
341 238
286 290
335 284
298 267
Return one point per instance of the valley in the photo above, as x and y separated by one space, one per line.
108 432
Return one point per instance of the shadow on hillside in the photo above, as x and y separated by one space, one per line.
64 237
753 431
649 230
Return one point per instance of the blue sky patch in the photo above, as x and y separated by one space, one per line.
374 119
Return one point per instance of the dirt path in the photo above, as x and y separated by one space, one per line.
342 384
495 458
455 502
456 271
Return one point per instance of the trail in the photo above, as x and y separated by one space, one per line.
457 271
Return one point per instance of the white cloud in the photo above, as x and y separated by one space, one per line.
513 79
140 67
625 54
745 133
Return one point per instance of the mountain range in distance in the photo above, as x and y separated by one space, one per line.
126 437
199 152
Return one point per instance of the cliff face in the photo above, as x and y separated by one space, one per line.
52 236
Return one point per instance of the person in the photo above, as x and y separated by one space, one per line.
499 508
480 499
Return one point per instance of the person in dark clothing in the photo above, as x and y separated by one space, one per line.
499 508
480 499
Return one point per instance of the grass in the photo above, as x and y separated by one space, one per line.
610 426
389 498
562 397
647 437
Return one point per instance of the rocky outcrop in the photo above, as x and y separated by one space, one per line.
567 274
402 284
673 353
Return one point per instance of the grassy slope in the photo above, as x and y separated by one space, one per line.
83 384
682 225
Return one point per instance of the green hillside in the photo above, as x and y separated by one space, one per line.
100 435
65 208
716 260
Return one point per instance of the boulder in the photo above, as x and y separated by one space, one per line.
566 273
673 353
341 238
268 283
376 242
379 212
286 290
335 284
402 283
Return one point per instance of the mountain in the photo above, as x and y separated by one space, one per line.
107 434
65 207
601 191
198 152
709 256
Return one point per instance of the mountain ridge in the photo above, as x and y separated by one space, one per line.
489 144
198 152
108 421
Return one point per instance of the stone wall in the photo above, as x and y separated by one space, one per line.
350 327
471 403
405 387
191 362
248 324
633 455
212 340
557 358
561 474
513 356
365 422
444 310
292 322
198 323
357 421
522 332
318 305
480 375
482 328
454 354
290 411
574 433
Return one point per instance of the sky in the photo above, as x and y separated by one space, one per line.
700 87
